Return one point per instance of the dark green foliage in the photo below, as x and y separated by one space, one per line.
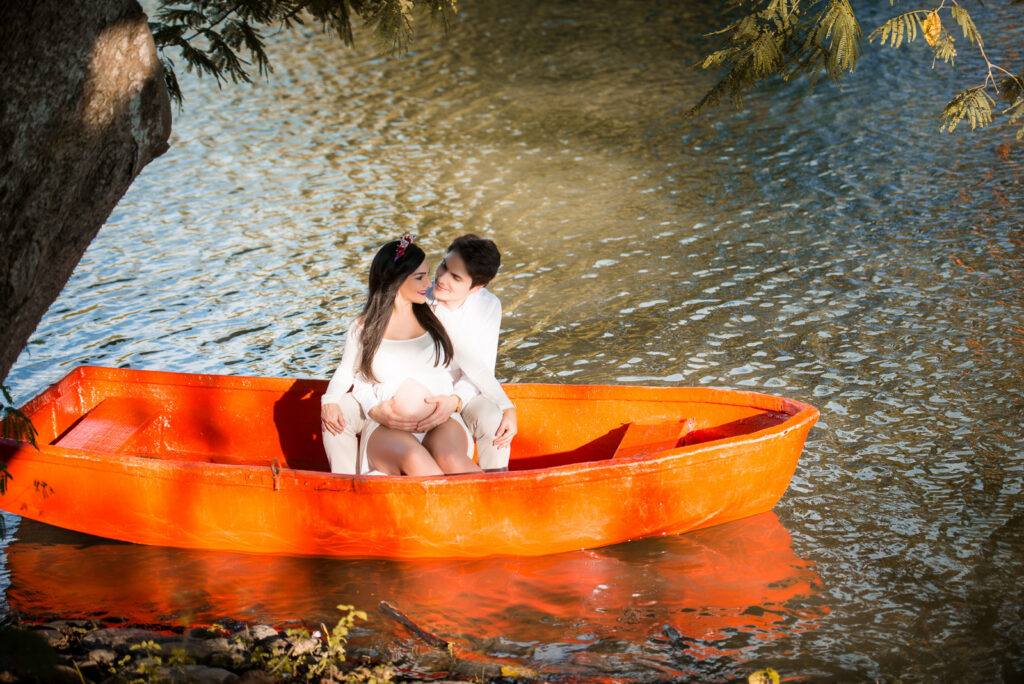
224 38
769 39
782 38
973 104
14 425
1011 90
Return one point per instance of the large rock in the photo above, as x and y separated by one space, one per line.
121 639
83 108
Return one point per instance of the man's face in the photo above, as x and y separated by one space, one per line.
452 282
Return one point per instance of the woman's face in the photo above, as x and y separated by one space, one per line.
414 288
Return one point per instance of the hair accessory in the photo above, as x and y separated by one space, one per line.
403 244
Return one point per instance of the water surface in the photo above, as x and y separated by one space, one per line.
837 250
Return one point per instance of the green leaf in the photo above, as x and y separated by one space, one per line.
14 425
963 17
226 58
945 48
393 22
837 31
171 81
900 27
189 17
1011 88
1016 113
253 42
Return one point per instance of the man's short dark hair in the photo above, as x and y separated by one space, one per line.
480 255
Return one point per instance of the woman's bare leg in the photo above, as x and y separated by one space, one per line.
396 453
447 444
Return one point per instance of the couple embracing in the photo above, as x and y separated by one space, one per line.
416 384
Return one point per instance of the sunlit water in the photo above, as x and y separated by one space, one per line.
836 250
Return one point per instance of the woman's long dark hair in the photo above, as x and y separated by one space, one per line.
387 275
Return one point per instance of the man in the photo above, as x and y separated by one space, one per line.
472 318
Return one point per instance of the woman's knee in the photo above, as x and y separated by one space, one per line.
455 463
448 445
406 462
395 452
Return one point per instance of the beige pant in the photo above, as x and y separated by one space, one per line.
343 450
481 416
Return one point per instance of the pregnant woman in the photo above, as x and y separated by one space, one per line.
400 353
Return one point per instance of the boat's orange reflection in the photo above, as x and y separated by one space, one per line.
739 576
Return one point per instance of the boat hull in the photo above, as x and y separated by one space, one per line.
229 463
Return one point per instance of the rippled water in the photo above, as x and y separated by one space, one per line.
836 250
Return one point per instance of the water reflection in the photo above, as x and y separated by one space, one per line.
673 599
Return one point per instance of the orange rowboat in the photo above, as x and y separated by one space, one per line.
236 463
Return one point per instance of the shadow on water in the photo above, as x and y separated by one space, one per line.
671 603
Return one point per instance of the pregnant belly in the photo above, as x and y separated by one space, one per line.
409 398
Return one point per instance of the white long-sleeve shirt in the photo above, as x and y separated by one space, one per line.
473 329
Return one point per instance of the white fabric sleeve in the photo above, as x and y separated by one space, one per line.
484 351
483 378
365 393
487 335
466 390
344 376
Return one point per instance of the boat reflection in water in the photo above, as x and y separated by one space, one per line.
705 594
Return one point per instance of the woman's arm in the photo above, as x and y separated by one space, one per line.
341 381
344 375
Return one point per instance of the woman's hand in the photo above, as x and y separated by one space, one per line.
331 418
507 428
385 414
444 406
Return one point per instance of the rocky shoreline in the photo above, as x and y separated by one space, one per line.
83 651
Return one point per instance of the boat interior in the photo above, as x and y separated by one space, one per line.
260 421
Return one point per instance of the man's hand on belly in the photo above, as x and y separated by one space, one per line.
444 406
386 414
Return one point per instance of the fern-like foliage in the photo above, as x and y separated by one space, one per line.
973 104
17 426
787 38
14 425
963 17
902 27
224 38
945 48
837 27
1011 90
782 39
392 20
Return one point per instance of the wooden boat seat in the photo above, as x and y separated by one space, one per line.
111 425
641 439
